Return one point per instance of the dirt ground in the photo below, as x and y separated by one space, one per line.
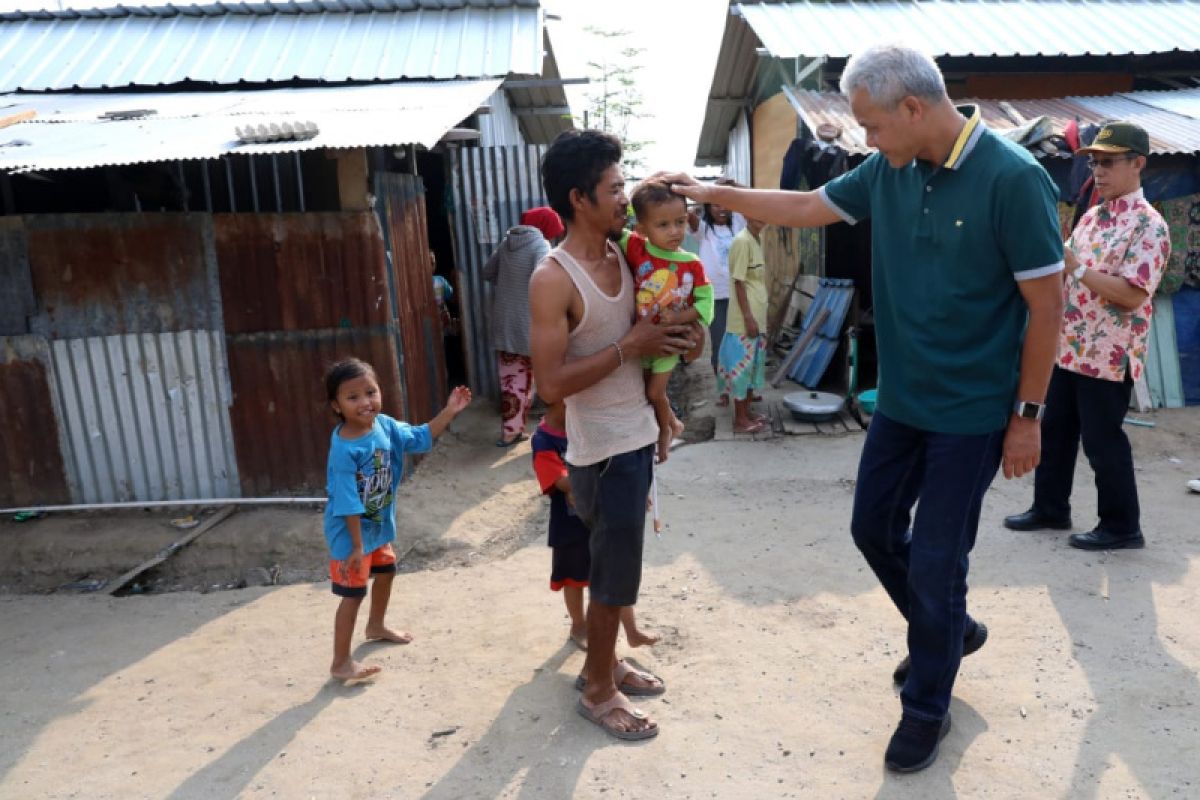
778 647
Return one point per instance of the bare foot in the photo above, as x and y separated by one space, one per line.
640 639
385 634
749 426
723 401
579 636
351 672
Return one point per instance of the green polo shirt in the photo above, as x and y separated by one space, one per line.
949 244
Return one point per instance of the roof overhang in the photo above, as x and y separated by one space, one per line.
77 131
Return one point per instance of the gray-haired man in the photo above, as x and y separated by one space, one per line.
966 259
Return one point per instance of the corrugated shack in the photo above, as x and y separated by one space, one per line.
205 205
1031 66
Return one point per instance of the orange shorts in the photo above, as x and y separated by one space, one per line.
354 584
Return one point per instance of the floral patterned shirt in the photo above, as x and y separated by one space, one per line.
1124 237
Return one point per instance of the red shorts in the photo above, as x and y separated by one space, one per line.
354 584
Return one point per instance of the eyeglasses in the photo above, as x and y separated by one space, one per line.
1109 162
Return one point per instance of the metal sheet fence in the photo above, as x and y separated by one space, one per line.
145 416
422 355
281 418
103 274
492 186
31 462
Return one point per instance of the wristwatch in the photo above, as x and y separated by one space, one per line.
1027 410
1079 271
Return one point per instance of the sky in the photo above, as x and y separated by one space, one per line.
680 38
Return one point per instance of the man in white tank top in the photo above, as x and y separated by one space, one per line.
587 352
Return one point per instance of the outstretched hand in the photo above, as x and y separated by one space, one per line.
460 398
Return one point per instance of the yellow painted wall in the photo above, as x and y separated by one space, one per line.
772 129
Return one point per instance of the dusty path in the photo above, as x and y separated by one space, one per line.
778 652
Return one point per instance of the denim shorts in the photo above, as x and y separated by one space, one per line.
610 497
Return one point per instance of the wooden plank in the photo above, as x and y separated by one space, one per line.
171 549
13 119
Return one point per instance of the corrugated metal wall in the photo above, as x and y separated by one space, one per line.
145 416
499 127
737 158
128 314
492 186
299 291
422 355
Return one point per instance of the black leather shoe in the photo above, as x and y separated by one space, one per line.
1100 539
914 745
1033 520
971 643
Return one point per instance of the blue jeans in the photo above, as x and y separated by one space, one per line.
924 569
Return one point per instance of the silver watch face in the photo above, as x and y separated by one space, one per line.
1029 410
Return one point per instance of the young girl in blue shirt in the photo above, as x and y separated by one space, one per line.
366 459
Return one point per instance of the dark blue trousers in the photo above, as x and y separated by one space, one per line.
1092 410
922 559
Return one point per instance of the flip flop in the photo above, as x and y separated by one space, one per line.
623 671
580 641
520 437
598 713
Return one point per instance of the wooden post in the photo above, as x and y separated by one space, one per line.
352 176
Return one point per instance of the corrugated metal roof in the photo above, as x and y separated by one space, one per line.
1177 101
231 48
68 132
973 28
1169 132
69 9
733 83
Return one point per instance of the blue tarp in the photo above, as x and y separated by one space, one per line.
1186 303
834 294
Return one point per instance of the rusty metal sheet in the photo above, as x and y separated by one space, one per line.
423 356
31 461
280 416
17 301
294 272
106 274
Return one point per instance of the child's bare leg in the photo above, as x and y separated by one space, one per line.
381 593
635 637
573 598
668 425
344 667
743 420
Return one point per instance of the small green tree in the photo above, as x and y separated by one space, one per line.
613 99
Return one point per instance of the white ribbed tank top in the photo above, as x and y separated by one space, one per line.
611 416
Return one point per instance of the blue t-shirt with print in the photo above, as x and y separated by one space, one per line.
361 479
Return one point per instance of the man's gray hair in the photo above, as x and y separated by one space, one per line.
891 72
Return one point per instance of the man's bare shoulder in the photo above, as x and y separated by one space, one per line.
550 280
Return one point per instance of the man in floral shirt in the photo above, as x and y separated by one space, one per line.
1114 261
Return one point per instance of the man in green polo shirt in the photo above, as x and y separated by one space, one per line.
966 273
